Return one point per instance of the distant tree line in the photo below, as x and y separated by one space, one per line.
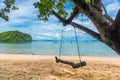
15 37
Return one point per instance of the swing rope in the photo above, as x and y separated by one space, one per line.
60 52
82 17
77 45
74 65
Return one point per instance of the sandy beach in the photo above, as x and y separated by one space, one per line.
44 67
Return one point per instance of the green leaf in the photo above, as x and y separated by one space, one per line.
46 7
15 8
9 5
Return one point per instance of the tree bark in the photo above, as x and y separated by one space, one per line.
90 32
74 65
75 25
109 29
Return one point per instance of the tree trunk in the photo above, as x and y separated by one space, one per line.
109 29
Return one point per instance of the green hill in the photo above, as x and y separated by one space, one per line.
15 37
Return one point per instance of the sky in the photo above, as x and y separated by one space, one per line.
25 20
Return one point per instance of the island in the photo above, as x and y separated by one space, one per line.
15 37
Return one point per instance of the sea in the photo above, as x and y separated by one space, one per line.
43 47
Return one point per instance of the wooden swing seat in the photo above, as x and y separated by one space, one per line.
74 65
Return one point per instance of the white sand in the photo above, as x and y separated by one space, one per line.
44 67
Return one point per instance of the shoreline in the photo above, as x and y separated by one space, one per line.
50 56
103 59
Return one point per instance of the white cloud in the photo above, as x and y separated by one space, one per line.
26 18
26 13
45 31
113 8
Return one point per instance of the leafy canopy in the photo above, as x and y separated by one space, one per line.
9 5
47 6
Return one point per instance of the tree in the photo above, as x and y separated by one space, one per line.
9 5
109 29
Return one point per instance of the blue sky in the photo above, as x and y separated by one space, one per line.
25 20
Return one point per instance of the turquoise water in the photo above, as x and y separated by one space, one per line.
92 48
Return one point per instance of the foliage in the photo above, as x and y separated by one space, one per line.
9 5
15 36
90 1
47 6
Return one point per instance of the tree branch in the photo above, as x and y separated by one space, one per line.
90 32
106 15
60 18
104 8
74 13
81 4
117 20
81 64
68 21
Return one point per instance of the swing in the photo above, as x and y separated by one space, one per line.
74 65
